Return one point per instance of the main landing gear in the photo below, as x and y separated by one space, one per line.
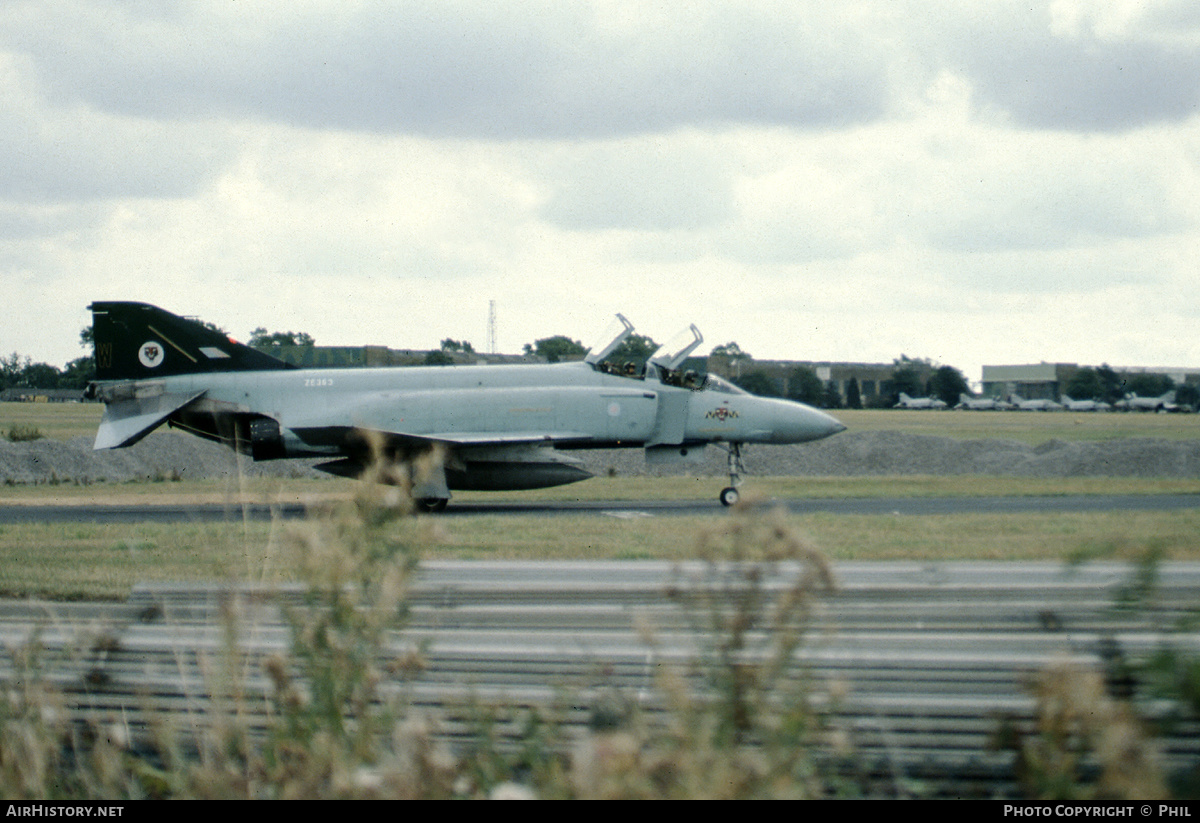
730 495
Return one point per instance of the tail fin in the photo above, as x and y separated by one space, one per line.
137 340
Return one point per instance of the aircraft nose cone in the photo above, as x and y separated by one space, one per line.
831 425
835 426
797 423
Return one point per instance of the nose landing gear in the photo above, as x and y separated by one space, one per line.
730 494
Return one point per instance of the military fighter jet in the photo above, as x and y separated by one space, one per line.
1134 402
907 402
1084 405
966 401
495 427
1034 405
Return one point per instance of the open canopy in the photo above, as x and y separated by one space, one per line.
670 355
614 335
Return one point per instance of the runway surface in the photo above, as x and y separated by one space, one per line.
903 506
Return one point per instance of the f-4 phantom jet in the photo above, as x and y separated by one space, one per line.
1088 405
495 427
966 401
1134 402
1034 405
907 402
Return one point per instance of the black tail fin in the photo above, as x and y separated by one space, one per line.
137 340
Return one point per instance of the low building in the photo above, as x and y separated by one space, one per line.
1036 381
1048 381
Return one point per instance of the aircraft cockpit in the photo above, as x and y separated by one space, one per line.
696 381
719 385
664 364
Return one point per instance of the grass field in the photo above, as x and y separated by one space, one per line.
58 421
104 561
90 561
1026 427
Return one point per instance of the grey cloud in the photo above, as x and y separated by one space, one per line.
644 186
22 222
100 160
58 151
1035 274
1086 86
1081 78
1037 208
458 69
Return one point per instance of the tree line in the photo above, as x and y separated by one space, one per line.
21 372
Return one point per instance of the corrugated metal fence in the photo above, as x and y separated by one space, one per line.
919 665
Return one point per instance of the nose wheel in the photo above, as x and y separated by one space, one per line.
730 494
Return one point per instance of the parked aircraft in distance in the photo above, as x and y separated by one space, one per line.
1034 405
495 427
907 402
1084 405
1163 403
966 401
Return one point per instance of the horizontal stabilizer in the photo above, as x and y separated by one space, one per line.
125 422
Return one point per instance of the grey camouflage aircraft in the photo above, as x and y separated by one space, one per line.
492 427
1039 404
966 401
1134 402
1088 405
907 402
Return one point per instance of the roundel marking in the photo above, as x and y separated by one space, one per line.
614 409
151 354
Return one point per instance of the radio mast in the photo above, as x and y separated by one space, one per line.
491 327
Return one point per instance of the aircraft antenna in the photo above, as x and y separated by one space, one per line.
491 327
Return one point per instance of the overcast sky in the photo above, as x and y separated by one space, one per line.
971 182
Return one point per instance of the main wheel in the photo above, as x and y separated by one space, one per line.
729 496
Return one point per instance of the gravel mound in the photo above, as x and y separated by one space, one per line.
171 455
161 456
896 453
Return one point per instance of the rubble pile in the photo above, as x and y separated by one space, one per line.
173 456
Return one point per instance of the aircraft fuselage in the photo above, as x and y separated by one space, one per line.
567 404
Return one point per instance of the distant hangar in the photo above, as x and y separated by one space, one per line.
1048 381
